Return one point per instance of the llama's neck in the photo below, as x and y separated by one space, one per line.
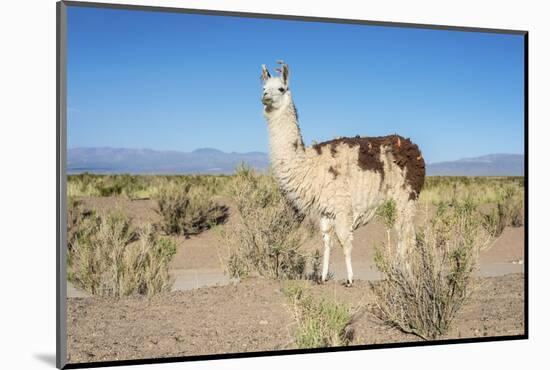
285 139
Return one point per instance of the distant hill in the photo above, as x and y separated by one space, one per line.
213 161
487 165
147 161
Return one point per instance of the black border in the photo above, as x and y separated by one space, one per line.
61 185
61 97
290 352
526 179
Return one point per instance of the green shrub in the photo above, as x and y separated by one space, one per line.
388 213
320 322
187 211
268 237
423 290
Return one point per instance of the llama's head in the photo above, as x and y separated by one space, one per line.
275 92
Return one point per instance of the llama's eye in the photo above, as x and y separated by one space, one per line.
282 89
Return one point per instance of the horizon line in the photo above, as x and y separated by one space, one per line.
259 151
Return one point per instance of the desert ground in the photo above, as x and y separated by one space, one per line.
206 312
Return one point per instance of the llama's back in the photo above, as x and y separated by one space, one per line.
362 172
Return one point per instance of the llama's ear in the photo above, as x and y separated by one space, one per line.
265 73
285 72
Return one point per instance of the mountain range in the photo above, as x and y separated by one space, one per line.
487 165
213 161
147 161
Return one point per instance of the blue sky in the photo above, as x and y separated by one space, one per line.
171 81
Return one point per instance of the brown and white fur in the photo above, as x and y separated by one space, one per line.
342 181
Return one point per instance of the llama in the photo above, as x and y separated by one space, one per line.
342 181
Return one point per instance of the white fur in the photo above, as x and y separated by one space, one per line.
344 202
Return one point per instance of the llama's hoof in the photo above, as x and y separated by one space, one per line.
348 284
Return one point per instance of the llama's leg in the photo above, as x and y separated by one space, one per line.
344 232
326 229
404 226
347 254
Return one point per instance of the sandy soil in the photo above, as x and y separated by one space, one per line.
206 313
199 257
253 316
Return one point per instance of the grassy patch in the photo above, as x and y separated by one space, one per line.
320 322
140 186
89 185
479 190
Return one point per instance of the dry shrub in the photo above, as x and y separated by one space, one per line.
320 322
79 221
423 289
146 264
268 237
188 210
495 220
508 212
315 268
108 257
513 206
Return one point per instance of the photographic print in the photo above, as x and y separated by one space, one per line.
240 184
